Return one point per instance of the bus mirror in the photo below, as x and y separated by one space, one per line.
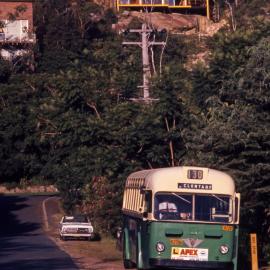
237 208
142 190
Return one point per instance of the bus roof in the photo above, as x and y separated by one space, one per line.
186 179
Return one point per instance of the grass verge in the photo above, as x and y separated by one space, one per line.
103 250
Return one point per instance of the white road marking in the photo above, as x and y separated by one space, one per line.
45 215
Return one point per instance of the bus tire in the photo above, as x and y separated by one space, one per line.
128 264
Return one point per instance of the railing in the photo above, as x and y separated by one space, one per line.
167 3
4 39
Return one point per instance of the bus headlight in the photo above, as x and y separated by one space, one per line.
160 247
224 249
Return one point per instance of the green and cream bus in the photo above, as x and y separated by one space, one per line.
180 217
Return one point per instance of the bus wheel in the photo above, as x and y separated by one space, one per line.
128 264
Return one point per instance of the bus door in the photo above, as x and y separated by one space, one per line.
133 231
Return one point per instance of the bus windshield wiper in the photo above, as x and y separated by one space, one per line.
215 196
185 200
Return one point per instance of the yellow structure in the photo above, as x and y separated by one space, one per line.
166 4
254 253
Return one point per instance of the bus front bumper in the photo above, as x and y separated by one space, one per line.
190 264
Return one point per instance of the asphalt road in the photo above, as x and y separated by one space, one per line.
23 243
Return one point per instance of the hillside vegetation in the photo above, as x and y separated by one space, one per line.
72 122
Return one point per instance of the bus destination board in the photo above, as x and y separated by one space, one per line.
195 186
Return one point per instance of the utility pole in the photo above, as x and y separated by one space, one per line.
144 44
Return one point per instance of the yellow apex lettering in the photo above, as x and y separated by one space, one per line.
189 252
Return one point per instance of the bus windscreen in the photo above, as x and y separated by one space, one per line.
196 207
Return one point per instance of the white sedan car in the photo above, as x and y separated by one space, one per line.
76 227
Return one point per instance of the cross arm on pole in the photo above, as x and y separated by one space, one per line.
131 43
157 43
140 31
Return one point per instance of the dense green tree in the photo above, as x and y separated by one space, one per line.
21 148
5 71
65 30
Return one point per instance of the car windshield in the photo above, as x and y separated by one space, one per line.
177 206
73 219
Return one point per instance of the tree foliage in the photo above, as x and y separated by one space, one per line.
5 71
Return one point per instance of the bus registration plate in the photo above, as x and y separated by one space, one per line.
189 254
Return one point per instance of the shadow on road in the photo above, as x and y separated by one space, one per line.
10 225
23 243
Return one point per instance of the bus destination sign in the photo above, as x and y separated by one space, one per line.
195 174
195 186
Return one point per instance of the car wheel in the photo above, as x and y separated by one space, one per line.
63 238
